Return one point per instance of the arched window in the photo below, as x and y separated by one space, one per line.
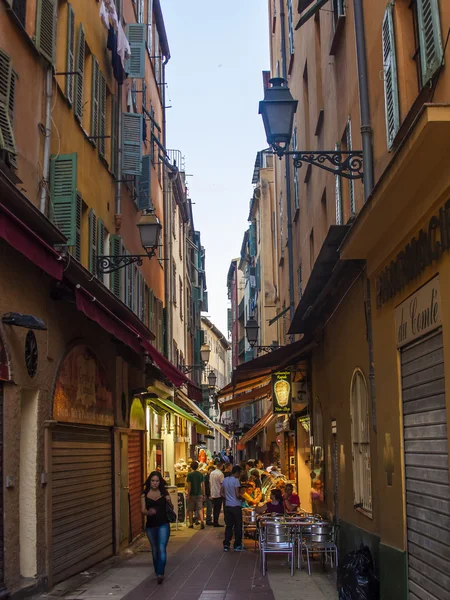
359 414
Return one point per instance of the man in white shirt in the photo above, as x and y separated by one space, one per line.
215 482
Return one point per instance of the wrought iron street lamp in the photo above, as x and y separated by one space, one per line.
212 379
277 111
150 232
252 332
205 353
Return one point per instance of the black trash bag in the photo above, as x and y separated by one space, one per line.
357 579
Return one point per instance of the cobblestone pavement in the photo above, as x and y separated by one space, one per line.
197 569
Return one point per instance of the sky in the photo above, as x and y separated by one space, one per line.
218 52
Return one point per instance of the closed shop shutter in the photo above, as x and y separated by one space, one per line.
82 499
135 477
426 469
2 570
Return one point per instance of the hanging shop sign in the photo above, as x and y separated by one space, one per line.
281 393
419 314
421 252
137 415
82 394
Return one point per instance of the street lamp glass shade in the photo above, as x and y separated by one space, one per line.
150 231
277 111
212 379
205 352
251 330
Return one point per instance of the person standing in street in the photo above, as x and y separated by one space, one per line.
208 501
233 510
154 501
227 470
216 479
195 484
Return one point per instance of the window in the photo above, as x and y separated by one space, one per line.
359 415
180 237
338 12
299 282
181 298
19 8
296 186
318 457
291 26
174 283
306 106
8 84
79 78
150 27
140 11
311 249
391 100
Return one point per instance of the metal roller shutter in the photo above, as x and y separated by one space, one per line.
426 470
82 499
135 476
3 592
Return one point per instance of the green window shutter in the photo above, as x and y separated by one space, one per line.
100 243
116 276
79 212
7 97
63 194
70 61
144 201
113 134
390 77
258 275
161 325
431 50
151 311
95 95
80 74
46 29
252 239
136 34
131 144
92 241
102 117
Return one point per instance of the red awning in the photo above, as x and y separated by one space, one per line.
25 241
194 392
96 311
264 422
169 370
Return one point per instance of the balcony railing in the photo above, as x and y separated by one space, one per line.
177 158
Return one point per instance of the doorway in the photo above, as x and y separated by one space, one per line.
124 493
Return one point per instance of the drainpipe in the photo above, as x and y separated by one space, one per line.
48 124
364 104
118 125
288 178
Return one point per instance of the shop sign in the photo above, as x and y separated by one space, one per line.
421 252
281 393
137 415
82 394
419 314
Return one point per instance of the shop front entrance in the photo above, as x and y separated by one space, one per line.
3 592
426 467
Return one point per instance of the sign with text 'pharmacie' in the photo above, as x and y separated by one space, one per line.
419 314
281 393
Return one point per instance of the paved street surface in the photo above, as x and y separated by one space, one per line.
197 569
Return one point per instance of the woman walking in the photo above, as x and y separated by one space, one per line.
154 503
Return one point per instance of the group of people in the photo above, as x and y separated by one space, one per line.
225 486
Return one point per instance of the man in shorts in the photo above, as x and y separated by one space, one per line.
195 489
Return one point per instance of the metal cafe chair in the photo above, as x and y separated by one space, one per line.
276 538
319 538
249 524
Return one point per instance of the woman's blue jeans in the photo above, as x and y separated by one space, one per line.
158 538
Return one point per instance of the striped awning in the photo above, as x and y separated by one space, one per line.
264 422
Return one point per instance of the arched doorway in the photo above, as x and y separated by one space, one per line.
82 514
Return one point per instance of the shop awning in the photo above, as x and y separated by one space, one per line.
97 312
169 370
173 408
264 422
29 244
192 406
252 395
194 392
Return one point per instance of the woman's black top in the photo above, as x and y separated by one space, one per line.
160 518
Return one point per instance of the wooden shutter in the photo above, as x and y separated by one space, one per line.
157 59
144 201
95 95
252 239
151 311
80 74
79 213
116 276
92 241
46 29
70 61
131 144
63 194
431 51
390 77
161 325
150 26
6 130
102 117
291 27
136 34
113 135
142 297
100 242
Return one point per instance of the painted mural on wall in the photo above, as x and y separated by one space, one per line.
82 394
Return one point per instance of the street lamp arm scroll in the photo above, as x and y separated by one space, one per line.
346 164
110 264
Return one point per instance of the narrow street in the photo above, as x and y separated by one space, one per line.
197 569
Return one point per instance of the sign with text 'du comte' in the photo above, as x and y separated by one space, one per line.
419 314
281 393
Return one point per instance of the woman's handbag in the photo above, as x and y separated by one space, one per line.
170 513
